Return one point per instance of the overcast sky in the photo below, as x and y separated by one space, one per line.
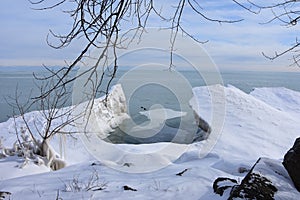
231 46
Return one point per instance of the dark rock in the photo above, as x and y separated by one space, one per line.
243 170
127 164
2 155
4 195
266 178
202 123
254 186
125 187
291 162
221 184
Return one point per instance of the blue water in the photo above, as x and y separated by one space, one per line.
12 78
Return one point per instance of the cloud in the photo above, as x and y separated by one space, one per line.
231 46
23 35
240 45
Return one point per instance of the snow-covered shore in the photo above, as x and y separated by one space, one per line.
264 123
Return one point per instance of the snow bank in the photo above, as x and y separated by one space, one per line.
252 127
249 126
68 147
280 98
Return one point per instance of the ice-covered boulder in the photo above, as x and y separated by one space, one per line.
256 184
267 179
107 114
292 163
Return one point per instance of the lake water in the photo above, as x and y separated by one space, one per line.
10 79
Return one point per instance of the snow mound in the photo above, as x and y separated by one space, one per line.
280 98
252 128
244 128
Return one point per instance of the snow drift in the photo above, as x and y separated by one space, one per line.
261 124
252 128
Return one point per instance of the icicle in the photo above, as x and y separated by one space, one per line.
62 145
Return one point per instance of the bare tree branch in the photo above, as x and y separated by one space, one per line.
98 23
287 12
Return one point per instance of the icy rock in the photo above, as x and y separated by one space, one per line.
49 153
202 123
292 163
4 195
108 113
267 180
256 184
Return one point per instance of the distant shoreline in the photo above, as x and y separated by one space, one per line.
126 68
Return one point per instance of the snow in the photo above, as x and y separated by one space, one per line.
11 167
104 118
280 98
277 174
264 123
249 121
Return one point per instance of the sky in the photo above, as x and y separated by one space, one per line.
236 46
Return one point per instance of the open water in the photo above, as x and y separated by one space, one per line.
23 81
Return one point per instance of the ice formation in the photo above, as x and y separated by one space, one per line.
107 114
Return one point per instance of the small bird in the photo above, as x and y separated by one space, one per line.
143 108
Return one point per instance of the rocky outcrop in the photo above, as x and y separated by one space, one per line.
266 178
254 186
257 184
291 163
